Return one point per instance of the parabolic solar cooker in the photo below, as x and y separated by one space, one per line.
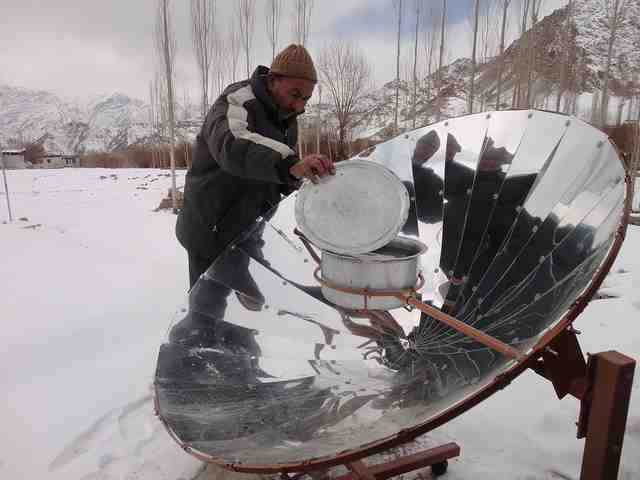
369 309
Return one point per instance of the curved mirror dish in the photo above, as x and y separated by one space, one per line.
518 209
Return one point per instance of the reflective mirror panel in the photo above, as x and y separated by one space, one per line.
518 210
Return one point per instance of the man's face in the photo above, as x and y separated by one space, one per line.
291 94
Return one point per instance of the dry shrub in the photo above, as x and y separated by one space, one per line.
139 156
624 136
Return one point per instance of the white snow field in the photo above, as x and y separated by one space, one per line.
90 282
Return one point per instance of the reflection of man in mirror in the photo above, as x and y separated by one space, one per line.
427 186
206 324
426 147
429 144
495 202
458 179
492 158
206 318
205 343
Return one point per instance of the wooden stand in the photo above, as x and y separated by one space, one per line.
603 386
436 458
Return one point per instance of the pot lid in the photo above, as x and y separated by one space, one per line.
359 209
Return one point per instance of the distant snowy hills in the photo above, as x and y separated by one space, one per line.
103 123
571 55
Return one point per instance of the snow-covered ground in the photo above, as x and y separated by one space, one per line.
90 281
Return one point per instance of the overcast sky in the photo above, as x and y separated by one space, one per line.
78 48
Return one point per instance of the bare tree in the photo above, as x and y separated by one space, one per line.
155 112
519 67
441 58
488 30
615 11
395 121
531 53
634 99
158 102
488 40
301 20
406 95
345 75
566 55
152 107
415 65
430 38
204 43
505 8
319 119
473 55
246 21
595 105
634 162
166 45
221 65
301 23
622 102
431 24
233 51
273 13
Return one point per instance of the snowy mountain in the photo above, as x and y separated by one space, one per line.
103 123
570 59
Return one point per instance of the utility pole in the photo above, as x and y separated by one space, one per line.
6 187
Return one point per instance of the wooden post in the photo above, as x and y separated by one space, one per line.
611 374
6 186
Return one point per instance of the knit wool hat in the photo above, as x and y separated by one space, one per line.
294 61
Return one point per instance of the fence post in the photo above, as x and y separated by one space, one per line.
6 188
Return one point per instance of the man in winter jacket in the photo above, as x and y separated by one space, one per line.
244 157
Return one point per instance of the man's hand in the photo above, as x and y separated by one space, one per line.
313 166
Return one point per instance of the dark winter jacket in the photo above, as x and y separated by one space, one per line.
240 168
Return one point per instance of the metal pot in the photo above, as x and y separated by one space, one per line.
392 267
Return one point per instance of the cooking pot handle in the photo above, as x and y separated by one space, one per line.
307 244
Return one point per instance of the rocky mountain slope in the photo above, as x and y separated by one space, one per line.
571 49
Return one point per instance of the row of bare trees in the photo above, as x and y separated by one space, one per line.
217 55
345 72
518 77
218 50
346 76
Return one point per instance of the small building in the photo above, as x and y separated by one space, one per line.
58 160
13 159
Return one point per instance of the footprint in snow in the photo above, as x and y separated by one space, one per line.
121 433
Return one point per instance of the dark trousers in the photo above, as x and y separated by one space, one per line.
197 266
